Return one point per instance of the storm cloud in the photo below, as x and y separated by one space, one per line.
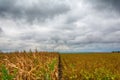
75 25
109 4
32 10
1 31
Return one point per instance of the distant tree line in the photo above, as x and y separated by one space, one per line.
115 51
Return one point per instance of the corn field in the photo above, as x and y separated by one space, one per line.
29 66
98 66
54 66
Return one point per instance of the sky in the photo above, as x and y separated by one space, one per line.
60 25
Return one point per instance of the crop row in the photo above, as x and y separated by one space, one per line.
90 66
29 66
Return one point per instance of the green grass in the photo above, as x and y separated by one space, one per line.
5 75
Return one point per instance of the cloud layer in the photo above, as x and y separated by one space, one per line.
31 10
76 25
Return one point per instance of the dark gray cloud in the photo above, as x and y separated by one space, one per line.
31 10
112 5
1 31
